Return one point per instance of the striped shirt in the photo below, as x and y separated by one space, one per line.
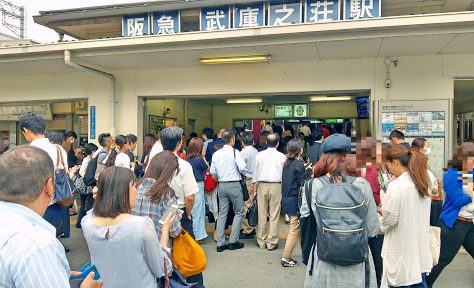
30 254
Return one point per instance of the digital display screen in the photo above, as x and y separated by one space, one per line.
363 107
283 111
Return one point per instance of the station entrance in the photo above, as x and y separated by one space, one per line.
347 113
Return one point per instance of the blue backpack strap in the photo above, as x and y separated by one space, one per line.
324 180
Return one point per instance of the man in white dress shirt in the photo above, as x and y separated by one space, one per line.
30 253
249 154
267 174
33 128
226 167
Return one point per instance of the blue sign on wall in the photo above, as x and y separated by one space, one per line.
284 12
362 9
166 22
249 15
92 122
135 25
320 11
215 18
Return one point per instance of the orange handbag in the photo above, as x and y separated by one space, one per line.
188 257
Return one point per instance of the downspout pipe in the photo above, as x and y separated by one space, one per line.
113 92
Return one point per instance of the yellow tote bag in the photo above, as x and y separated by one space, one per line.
188 256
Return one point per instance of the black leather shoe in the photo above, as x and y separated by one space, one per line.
246 236
236 246
222 248
67 250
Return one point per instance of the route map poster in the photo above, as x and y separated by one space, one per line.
416 119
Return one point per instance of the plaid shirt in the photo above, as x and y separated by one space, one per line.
155 210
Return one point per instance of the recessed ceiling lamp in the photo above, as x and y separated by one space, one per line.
235 59
244 100
326 98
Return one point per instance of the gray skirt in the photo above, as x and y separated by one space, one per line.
329 275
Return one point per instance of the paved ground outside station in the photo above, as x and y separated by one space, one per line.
253 267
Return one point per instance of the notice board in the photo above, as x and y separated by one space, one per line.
427 119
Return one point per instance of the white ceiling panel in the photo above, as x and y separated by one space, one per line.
462 44
349 49
414 45
123 62
290 52
176 58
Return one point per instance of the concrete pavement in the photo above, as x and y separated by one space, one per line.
253 267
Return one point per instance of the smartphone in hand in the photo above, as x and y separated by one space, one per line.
173 209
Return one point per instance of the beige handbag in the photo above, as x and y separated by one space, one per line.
435 243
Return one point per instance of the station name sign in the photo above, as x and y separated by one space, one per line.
250 15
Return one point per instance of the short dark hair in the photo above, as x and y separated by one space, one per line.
113 196
419 143
273 139
397 134
170 138
33 122
132 138
70 134
248 138
90 148
227 135
18 162
208 132
55 137
103 138
317 134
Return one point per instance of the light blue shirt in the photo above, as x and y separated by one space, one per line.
226 166
248 154
30 254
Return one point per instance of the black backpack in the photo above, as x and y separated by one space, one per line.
89 176
308 227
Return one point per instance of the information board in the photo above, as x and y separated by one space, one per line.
419 119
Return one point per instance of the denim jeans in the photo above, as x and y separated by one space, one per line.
199 213
87 202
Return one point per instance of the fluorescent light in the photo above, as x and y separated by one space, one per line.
244 100
334 98
235 59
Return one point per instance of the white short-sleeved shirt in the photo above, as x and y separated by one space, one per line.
45 145
122 160
184 184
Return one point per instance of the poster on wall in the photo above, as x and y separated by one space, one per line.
419 119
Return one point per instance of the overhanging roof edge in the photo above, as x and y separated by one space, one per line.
344 30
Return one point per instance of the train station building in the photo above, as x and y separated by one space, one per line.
365 67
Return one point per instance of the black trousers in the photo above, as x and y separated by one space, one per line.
462 234
187 224
375 244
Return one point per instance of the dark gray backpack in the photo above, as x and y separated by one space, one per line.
341 220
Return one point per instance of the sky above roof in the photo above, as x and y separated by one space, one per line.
45 35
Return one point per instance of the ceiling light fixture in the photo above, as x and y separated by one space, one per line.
235 59
334 98
244 100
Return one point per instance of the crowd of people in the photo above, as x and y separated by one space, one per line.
372 208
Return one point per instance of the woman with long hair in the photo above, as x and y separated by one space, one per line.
117 156
406 219
331 167
196 158
457 216
118 240
292 179
422 145
148 143
155 195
